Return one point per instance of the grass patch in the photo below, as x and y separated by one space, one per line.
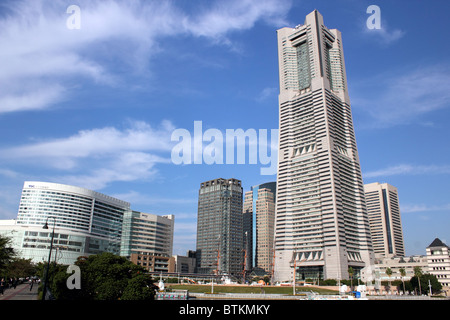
246 289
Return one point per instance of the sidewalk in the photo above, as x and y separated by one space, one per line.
21 292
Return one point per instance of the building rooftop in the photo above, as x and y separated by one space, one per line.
437 243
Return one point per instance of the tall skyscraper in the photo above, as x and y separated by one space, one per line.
259 207
220 231
384 218
321 220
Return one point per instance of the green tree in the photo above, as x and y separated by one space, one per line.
406 286
423 282
418 274
105 277
403 274
351 272
7 253
389 274
139 288
20 268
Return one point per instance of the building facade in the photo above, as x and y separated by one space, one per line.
259 206
397 263
321 220
438 257
85 222
184 264
220 231
147 239
385 222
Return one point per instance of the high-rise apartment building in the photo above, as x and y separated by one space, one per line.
321 220
220 231
147 239
259 206
384 219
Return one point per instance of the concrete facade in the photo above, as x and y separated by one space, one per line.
321 219
384 217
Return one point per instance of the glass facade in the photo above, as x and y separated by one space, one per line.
220 234
144 233
85 222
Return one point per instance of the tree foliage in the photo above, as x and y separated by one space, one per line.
425 279
7 253
20 268
104 277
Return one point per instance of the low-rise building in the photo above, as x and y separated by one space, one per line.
397 263
438 258
184 264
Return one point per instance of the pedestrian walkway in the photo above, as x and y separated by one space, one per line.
21 292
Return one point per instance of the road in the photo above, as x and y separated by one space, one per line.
21 292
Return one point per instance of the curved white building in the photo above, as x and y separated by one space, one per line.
86 222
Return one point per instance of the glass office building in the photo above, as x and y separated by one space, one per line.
85 222
220 231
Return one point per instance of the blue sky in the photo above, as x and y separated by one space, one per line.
95 107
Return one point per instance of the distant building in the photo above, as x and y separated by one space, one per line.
438 256
397 263
259 207
384 219
220 231
152 262
147 239
85 222
184 264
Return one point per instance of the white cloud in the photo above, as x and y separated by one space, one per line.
35 99
408 169
410 208
41 58
145 199
267 93
392 99
94 158
228 16
386 36
140 136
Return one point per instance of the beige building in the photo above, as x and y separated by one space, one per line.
397 263
259 204
153 262
183 264
438 256
147 239
384 218
321 225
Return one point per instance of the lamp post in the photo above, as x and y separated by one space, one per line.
44 292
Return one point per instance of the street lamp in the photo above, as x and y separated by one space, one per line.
44 292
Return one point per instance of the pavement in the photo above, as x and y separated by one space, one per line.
21 292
